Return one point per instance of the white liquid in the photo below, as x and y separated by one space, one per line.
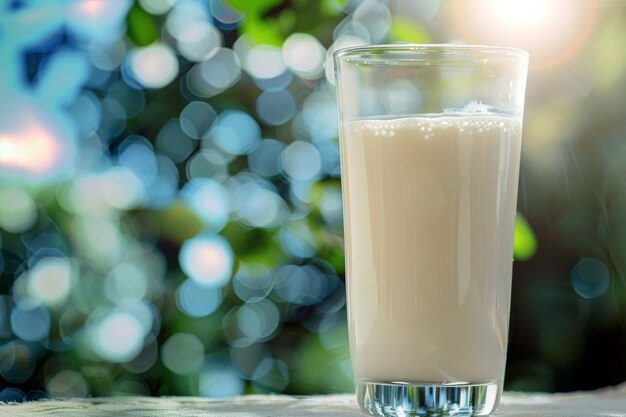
429 206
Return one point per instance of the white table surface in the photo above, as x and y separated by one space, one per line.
608 402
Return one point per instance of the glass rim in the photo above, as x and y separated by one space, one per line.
378 51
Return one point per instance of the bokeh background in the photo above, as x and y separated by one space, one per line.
170 201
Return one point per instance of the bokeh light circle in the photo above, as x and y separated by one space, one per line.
215 75
18 211
304 55
122 188
319 113
126 282
219 379
207 259
49 282
259 320
196 300
305 285
276 107
301 161
117 337
590 278
259 206
153 66
235 132
157 7
17 361
209 200
224 13
207 164
198 40
182 353
376 17
264 61
252 281
12 395
30 322
264 159
67 384
184 13
196 119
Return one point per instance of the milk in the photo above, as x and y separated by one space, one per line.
429 206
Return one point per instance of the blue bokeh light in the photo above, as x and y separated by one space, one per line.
277 83
197 300
209 200
257 204
197 118
276 107
258 320
235 132
219 379
303 285
87 112
164 186
30 321
264 159
319 113
301 161
590 278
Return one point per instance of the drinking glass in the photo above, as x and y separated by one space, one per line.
430 141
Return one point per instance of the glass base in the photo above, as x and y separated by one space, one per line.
399 399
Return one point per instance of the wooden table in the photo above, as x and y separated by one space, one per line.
609 402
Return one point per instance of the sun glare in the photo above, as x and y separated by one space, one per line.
34 151
521 11
552 31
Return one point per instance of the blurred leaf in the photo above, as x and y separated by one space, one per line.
287 20
254 245
142 29
332 7
259 21
320 370
405 30
247 6
271 21
525 242
178 223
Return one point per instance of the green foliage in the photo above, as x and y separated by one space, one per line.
178 223
321 370
270 22
405 30
261 22
332 7
525 242
142 29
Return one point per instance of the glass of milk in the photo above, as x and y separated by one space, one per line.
430 149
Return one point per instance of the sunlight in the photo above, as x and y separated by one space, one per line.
521 11
34 150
